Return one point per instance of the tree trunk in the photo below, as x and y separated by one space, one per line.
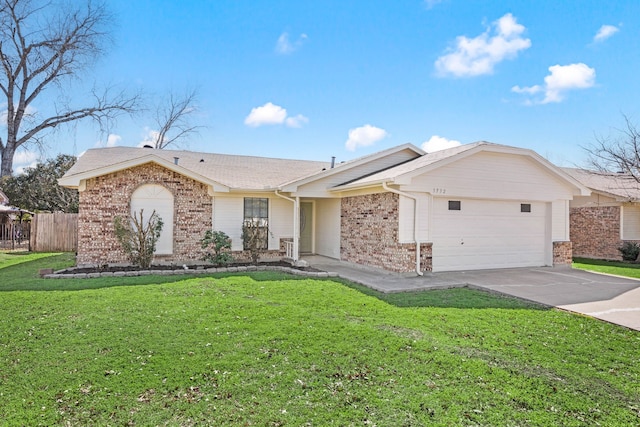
6 166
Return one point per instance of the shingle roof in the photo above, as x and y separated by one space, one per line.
620 186
233 171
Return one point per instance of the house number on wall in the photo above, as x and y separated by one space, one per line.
439 191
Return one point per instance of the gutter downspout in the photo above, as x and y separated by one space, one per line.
296 223
415 223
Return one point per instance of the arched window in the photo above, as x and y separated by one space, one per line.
152 197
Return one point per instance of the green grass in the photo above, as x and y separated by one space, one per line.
8 259
267 351
618 268
25 277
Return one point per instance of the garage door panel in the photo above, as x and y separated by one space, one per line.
488 234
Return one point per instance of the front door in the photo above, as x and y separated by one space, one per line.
306 227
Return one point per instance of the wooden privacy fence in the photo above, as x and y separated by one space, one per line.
54 232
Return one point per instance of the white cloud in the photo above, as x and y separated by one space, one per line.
149 137
25 156
437 143
112 141
479 55
364 136
271 114
605 32
563 78
284 46
24 159
296 122
268 114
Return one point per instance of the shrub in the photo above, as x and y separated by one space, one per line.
137 237
255 237
629 251
220 244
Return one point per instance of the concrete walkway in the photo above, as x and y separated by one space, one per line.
610 298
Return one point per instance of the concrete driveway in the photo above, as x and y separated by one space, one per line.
610 298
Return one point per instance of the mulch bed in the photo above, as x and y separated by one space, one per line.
113 269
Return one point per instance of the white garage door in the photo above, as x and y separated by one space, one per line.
487 234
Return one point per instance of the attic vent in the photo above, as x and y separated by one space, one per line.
201 160
175 160
147 146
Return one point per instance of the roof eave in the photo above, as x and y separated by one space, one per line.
359 186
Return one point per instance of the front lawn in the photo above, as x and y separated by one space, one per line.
617 268
272 351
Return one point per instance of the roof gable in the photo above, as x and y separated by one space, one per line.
405 173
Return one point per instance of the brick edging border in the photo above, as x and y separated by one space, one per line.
183 272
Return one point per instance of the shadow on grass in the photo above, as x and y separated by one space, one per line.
462 297
25 277
68 284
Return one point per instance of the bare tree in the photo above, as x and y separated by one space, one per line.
173 118
43 45
618 155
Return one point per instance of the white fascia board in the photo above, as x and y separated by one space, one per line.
355 186
616 197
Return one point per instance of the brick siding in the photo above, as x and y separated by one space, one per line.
595 232
369 235
108 196
562 253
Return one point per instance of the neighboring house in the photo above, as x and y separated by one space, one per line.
4 200
601 222
476 206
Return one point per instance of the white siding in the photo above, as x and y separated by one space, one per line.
280 221
227 217
406 215
630 222
493 176
593 200
560 221
319 187
406 222
328 227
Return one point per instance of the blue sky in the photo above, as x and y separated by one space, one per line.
312 80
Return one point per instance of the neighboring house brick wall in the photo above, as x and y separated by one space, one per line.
369 234
562 253
595 232
108 196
